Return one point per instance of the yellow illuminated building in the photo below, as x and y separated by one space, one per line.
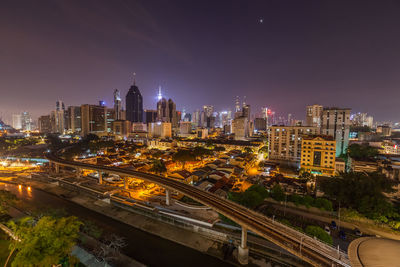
318 155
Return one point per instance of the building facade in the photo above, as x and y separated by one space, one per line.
318 155
134 105
336 122
285 141
314 115
94 120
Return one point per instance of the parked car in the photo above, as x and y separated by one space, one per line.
342 235
357 232
327 230
333 225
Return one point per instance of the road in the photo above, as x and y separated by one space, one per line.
299 244
146 248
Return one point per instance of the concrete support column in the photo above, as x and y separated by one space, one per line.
57 168
78 172
125 182
100 177
243 250
167 197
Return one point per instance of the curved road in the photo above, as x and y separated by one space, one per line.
305 247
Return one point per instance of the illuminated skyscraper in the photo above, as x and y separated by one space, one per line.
314 115
134 104
336 122
117 105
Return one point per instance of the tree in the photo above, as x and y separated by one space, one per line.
277 193
7 199
158 166
248 150
363 192
110 248
200 152
44 242
219 149
183 156
263 149
319 233
362 152
251 198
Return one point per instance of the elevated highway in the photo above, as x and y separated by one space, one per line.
303 246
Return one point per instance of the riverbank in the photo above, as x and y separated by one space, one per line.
170 232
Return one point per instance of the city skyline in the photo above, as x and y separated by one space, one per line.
281 55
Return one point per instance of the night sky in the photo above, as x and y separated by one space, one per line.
334 53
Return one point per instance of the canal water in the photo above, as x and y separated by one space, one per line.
146 248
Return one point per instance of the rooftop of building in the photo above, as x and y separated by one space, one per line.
373 251
314 136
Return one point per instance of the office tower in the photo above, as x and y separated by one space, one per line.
208 110
160 129
336 122
60 105
44 124
361 119
57 118
121 128
17 121
110 117
313 116
187 117
134 104
260 124
74 119
173 114
285 141
196 118
26 121
318 154
150 115
94 120
225 118
240 127
166 112
237 104
117 105
185 128
289 120
246 111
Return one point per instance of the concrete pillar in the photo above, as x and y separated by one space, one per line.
125 182
57 167
100 177
78 172
243 250
167 197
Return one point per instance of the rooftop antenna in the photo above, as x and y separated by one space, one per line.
134 78
159 96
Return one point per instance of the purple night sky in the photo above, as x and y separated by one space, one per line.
334 53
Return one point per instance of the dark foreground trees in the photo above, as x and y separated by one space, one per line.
43 242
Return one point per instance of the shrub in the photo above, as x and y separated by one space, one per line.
319 233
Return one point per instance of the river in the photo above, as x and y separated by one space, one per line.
144 247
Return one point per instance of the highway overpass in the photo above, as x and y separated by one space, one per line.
303 246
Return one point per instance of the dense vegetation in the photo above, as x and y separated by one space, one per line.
364 193
43 242
362 152
251 198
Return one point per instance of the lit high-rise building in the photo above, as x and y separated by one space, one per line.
17 121
94 120
44 124
150 115
134 104
58 121
74 119
336 122
314 115
285 141
117 105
